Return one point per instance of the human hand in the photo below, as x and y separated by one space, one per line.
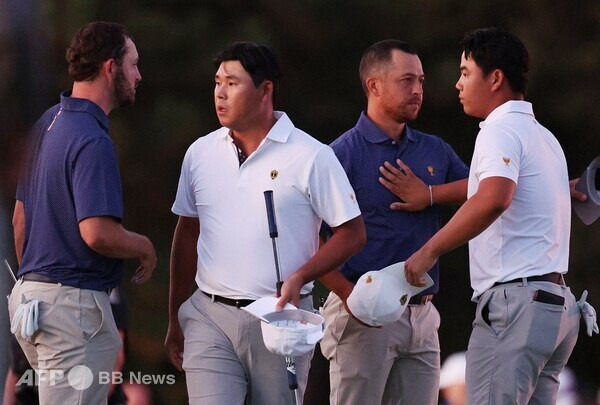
417 265
290 292
576 195
405 185
174 345
147 264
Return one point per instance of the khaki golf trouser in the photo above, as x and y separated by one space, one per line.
77 339
226 361
398 363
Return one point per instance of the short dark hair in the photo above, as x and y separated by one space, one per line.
493 48
258 60
94 44
379 55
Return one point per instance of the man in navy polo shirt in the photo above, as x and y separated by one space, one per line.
67 224
399 362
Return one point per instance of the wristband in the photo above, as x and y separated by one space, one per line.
430 195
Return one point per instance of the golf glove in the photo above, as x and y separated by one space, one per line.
27 315
588 313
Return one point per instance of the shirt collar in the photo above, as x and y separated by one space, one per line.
511 106
282 129
372 133
69 103
279 132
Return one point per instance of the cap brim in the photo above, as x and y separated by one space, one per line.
588 211
397 270
263 306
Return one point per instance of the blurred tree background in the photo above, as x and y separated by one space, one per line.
320 44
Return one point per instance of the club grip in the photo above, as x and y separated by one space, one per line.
279 285
271 213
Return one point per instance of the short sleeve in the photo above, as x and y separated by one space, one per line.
185 201
498 154
96 181
330 192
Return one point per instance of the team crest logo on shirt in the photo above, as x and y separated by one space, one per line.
430 170
369 280
506 160
403 299
274 174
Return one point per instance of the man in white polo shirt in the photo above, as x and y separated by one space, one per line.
517 218
222 237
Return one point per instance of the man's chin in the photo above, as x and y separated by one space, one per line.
126 101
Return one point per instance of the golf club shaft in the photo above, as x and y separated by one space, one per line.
279 283
12 274
290 361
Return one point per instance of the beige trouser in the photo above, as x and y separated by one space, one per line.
76 328
519 346
226 361
398 363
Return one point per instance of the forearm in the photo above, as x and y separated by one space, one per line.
347 240
183 264
475 215
18 222
454 193
109 238
336 282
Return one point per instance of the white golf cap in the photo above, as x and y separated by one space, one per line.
291 332
453 370
589 183
381 296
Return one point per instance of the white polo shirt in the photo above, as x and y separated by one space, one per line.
235 252
532 236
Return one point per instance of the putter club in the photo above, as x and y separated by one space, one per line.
12 274
290 361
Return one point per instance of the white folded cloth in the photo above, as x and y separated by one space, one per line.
588 313
27 315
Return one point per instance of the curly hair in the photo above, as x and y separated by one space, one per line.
94 44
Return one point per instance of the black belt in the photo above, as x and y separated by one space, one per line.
38 277
556 278
238 303
420 299
31 276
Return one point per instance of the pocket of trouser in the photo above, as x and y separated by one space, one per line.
336 319
492 312
93 317
548 298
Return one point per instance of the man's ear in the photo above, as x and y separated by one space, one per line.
497 78
372 85
108 68
268 88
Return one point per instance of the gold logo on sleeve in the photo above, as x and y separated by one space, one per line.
403 299
430 170
369 280
274 174
506 160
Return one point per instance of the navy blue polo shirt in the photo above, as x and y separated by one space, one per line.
393 236
71 174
